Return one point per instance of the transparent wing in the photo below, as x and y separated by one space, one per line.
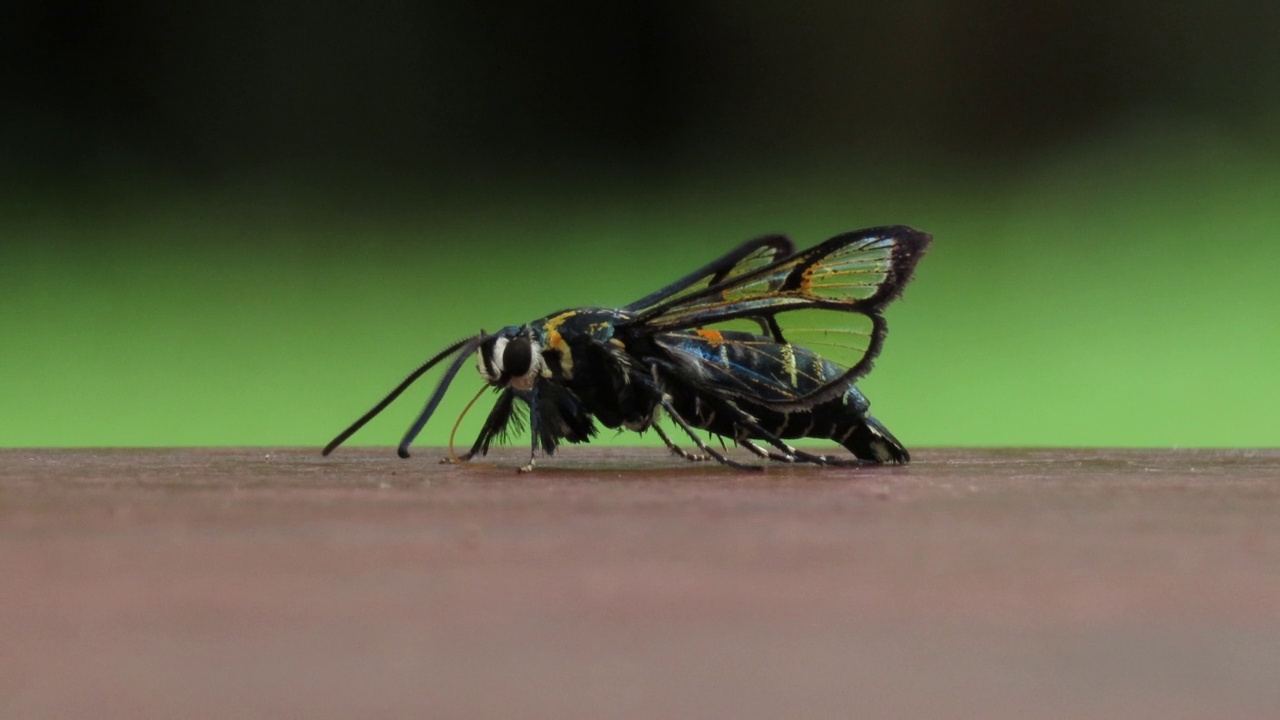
823 353
747 258
859 271
820 310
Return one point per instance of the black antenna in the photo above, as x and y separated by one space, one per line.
468 343
436 397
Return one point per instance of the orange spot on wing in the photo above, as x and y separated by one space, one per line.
806 279
712 336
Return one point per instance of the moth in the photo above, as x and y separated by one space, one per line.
760 346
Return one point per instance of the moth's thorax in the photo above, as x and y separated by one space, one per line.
561 332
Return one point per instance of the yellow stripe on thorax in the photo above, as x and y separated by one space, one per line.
557 343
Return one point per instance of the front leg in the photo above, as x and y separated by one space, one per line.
533 429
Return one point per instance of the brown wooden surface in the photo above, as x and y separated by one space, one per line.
628 584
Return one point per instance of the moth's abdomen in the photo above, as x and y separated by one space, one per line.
760 376
846 421
869 440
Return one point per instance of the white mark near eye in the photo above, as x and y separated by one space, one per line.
495 360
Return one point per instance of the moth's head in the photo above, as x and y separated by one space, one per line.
510 357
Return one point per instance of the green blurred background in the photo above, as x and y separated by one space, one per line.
240 223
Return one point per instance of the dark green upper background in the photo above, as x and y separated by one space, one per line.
242 222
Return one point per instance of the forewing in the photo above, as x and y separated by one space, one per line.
747 258
856 272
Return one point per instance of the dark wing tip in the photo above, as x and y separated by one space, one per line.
912 243
909 245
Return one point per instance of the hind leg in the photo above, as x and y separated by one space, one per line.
764 453
665 401
692 457
788 452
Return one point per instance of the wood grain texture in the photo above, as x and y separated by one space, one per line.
624 583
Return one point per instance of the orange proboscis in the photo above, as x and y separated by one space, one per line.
454 432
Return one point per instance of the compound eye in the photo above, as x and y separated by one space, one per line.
517 357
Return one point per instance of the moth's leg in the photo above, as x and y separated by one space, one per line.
533 429
749 424
665 401
706 417
693 457
766 454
